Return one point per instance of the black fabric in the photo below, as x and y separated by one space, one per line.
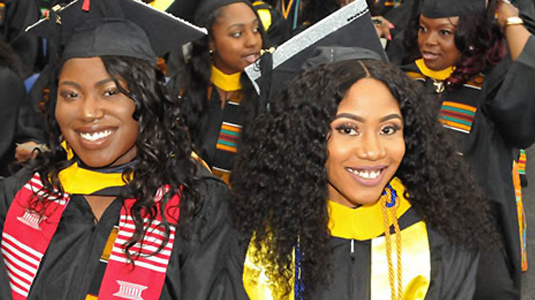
210 126
190 10
324 55
453 269
494 263
110 37
74 252
30 121
279 31
357 31
12 94
505 120
17 15
451 8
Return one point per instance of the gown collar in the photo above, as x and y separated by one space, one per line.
84 180
438 75
365 222
228 83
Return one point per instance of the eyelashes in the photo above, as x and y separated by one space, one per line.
352 129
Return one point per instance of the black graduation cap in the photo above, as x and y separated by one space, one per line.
332 54
450 8
191 10
350 26
89 28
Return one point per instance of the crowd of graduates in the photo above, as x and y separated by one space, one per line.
283 149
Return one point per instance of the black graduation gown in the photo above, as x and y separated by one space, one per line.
15 16
74 251
453 269
210 127
504 120
12 93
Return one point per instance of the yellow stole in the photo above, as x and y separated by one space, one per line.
363 223
228 83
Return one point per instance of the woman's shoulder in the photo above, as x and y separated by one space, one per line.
9 186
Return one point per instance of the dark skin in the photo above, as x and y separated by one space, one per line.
95 119
98 205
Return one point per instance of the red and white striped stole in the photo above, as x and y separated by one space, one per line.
27 235
145 281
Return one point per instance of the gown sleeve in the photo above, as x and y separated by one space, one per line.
453 271
511 104
232 279
203 259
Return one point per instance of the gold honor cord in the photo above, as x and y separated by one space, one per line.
395 279
286 8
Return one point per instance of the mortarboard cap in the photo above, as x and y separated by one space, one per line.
194 10
451 8
350 26
115 27
332 54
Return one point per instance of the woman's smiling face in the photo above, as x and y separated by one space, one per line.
366 144
95 118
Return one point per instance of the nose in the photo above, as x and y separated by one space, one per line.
370 148
431 39
91 109
253 39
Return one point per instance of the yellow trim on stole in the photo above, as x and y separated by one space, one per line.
161 5
438 75
264 14
76 180
416 264
228 83
365 222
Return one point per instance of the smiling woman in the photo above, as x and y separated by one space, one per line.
364 199
120 200
94 117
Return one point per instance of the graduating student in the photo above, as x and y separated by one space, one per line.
485 99
348 189
118 208
217 103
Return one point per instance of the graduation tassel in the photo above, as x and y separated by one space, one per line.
85 5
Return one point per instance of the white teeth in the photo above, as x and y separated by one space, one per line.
366 174
95 135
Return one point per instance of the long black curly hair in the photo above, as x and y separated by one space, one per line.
280 181
194 72
478 39
163 148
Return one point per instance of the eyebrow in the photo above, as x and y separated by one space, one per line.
361 119
76 85
242 24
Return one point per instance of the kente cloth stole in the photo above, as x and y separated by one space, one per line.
362 224
522 224
27 235
459 107
231 125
